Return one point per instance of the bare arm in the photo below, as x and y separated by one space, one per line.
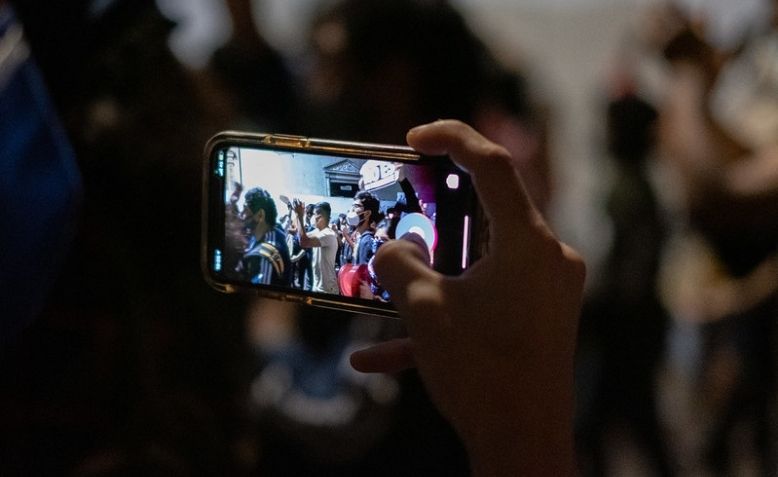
305 240
296 258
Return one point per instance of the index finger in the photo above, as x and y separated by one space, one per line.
499 186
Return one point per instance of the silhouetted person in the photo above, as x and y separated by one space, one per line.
623 323
719 131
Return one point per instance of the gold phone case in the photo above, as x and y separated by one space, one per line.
283 142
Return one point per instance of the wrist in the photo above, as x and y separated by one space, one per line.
534 437
546 450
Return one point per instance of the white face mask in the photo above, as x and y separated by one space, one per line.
353 218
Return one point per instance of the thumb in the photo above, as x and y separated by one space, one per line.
387 357
400 263
403 269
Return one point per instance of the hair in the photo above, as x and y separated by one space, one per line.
446 70
257 199
384 224
369 202
431 36
324 208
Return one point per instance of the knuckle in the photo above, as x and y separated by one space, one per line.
457 126
575 262
497 155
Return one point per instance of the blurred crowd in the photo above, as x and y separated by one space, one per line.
119 360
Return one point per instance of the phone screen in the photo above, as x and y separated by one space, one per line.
307 225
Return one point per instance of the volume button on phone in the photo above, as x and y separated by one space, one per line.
286 140
296 298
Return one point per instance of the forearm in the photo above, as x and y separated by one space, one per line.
296 258
302 235
306 241
546 452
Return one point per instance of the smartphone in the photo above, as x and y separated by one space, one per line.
299 219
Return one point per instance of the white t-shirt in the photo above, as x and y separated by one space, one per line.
324 277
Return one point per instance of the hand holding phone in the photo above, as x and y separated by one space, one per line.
494 345
250 246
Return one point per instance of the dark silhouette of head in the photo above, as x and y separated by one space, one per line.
258 199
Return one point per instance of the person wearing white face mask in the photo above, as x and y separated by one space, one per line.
363 214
